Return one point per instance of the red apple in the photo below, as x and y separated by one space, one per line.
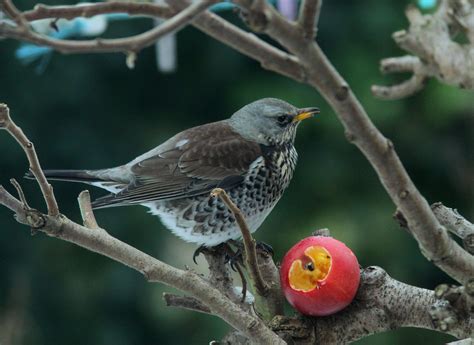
319 276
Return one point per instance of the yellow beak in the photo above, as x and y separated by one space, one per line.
305 113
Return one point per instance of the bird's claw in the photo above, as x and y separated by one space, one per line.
264 248
234 259
200 250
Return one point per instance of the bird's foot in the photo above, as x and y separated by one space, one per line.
260 247
220 249
234 259
202 249
264 248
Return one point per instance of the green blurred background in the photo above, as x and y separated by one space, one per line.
91 111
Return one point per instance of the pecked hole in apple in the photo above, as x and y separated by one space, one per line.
310 271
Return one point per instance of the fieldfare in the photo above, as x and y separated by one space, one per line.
250 155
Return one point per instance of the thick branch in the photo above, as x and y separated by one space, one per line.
431 236
382 304
156 271
185 302
47 190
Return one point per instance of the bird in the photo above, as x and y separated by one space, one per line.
250 155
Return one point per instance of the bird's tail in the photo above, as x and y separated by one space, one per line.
84 176
112 180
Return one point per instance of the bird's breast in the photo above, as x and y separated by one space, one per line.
268 177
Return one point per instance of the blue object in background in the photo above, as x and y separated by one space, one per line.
427 4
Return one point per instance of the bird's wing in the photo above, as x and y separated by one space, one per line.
191 163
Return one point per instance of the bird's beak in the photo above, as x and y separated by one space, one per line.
305 113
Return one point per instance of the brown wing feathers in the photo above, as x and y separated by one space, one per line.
191 163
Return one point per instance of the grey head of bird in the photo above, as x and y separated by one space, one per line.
269 121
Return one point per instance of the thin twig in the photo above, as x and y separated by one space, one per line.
309 17
185 302
11 11
249 242
406 88
41 11
20 192
125 45
88 217
247 43
46 189
456 224
452 220
10 202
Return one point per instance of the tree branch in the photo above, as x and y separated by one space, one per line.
249 242
126 45
406 63
84 200
456 224
46 189
467 341
270 58
309 17
41 11
433 239
154 270
10 202
185 302
382 304
431 39
12 12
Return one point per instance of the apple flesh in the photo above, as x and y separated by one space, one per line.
319 276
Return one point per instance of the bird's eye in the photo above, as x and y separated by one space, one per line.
283 120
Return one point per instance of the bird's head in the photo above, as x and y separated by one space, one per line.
269 121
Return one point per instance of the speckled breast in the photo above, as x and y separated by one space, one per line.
262 187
